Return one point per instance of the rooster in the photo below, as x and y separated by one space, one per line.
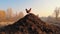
28 11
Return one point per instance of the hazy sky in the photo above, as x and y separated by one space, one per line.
41 7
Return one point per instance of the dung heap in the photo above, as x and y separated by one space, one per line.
30 24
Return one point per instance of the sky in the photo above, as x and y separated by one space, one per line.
42 7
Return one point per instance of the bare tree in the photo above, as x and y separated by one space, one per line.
56 12
9 13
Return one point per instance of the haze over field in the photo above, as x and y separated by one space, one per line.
41 7
29 16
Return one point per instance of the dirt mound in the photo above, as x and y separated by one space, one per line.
30 24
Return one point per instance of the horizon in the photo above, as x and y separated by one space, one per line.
42 7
